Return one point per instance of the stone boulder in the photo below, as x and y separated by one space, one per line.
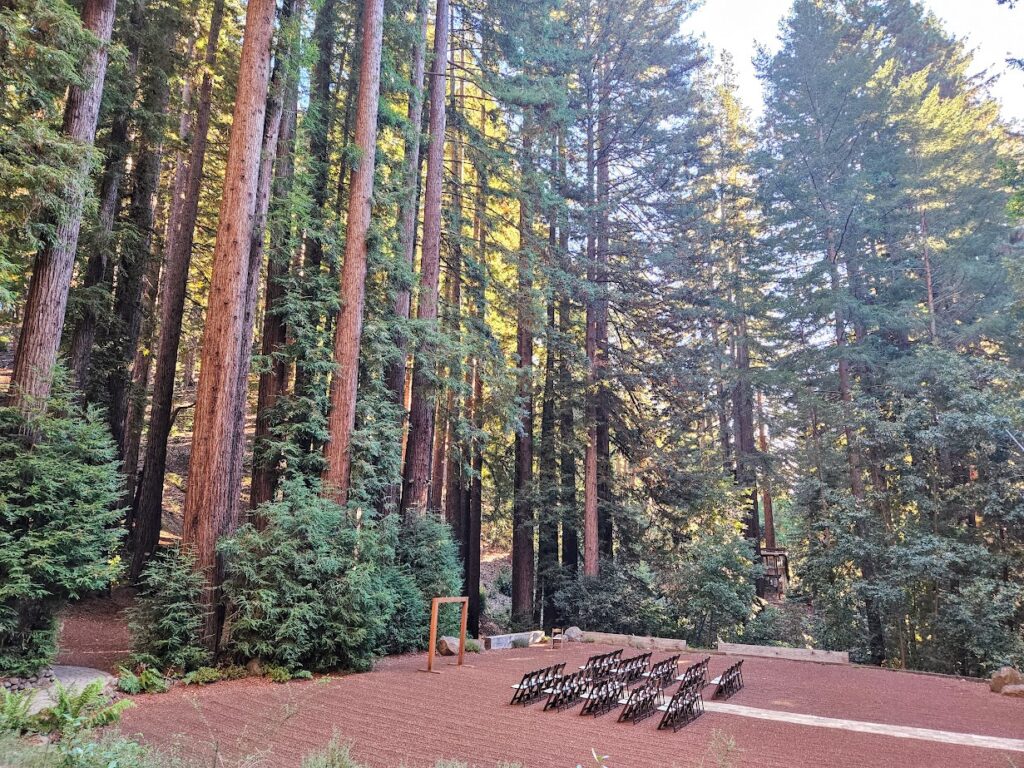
448 646
1003 677
1014 690
573 635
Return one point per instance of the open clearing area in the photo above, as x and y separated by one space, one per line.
396 715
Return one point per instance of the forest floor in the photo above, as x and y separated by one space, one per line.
398 716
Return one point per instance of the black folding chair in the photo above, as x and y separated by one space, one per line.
663 673
603 696
566 691
729 682
532 686
642 703
683 708
632 669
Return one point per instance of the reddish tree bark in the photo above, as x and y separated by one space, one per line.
181 225
348 328
51 272
421 413
523 485
407 209
274 380
211 496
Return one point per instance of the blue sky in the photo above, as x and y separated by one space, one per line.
992 31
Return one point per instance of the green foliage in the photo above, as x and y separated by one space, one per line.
425 546
473 646
620 599
166 620
308 590
78 711
203 676
503 581
520 642
59 524
15 711
276 674
147 680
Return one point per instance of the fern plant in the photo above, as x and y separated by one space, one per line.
16 711
79 710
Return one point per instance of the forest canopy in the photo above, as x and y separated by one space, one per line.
306 304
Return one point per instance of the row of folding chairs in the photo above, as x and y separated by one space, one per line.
602 665
729 682
533 684
697 671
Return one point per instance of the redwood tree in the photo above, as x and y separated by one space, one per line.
211 496
349 326
53 266
421 412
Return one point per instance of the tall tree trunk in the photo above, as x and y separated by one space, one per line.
211 497
283 63
134 266
52 269
602 395
547 541
274 336
591 561
876 636
318 122
84 336
743 413
416 478
766 486
407 209
173 282
349 326
523 484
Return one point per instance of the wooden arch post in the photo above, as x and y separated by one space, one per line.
433 629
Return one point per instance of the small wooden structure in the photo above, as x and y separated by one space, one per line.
776 569
433 630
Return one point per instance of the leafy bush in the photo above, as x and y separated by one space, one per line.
203 676
425 545
77 711
306 590
620 599
520 642
473 646
147 680
336 755
276 674
167 618
59 525
15 711
503 581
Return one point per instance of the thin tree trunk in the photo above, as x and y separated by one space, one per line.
211 497
349 326
50 283
274 379
173 282
601 405
416 479
84 336
766 486
395 373
591 563
523 485
547 542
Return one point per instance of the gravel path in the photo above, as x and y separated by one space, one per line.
398 716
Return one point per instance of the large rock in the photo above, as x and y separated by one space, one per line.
448 646
1003 677
1014 690
574 635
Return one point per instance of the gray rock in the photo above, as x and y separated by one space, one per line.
1003 677
574 635
448 646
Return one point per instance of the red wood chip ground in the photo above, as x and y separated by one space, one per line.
397 715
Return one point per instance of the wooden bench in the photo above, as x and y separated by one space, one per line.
729 682
697 671
683 708
566 691
663 673
602 665
532 686
641 703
